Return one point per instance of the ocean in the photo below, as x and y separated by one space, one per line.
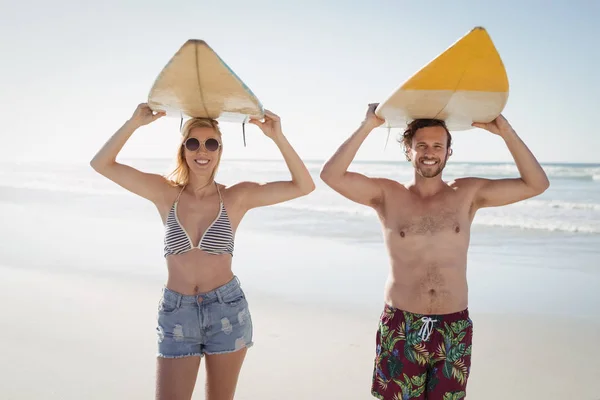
542 254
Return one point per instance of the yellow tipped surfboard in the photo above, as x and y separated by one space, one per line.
196 82
466 83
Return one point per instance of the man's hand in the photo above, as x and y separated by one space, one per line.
371 120
499 126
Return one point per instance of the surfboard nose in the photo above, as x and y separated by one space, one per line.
464 84
196 82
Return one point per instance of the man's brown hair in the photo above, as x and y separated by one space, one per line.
414 126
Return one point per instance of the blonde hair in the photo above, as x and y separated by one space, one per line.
180 176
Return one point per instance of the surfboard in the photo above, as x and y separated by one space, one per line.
196 82
466 83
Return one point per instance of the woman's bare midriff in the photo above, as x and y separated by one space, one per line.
197 272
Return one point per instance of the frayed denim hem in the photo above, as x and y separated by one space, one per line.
160 355
247 346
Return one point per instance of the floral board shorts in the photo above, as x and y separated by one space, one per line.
216 322
422 356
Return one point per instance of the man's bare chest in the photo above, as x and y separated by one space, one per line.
428 223
427 219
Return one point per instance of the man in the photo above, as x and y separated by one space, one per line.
424 335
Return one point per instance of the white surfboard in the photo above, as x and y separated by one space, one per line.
196 82
466 83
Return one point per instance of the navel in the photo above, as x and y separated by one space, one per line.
402 234
196 289
457 229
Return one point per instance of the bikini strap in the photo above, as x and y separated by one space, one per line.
177 199
218 191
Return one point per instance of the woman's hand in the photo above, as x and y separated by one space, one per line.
143 115
271 126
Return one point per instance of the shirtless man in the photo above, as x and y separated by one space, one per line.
424 336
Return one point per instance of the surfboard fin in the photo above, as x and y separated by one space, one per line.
244 132
388 138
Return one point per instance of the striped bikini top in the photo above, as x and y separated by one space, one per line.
217 239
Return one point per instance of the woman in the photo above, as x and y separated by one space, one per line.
203 310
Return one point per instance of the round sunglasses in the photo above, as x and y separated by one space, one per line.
193 144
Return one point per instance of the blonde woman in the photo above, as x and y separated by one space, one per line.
203 311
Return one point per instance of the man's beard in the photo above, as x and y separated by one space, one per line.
430 173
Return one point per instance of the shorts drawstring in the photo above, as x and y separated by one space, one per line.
427 328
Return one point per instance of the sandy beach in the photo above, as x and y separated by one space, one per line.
70 337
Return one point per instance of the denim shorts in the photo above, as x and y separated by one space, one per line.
216 322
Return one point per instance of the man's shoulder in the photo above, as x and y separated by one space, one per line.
467 182
387 183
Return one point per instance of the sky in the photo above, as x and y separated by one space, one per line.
74 71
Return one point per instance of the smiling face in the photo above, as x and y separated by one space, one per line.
197 160
427 145
202 160
429 152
